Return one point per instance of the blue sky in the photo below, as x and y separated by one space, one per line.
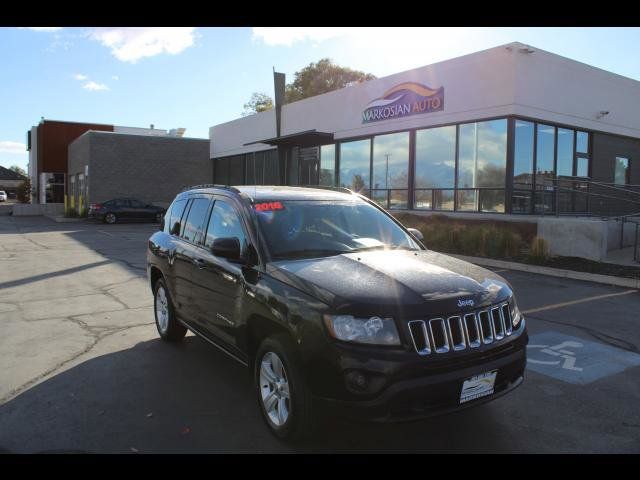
199 77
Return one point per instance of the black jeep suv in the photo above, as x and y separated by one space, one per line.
331 302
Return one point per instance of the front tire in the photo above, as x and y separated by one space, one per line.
284 399
167 324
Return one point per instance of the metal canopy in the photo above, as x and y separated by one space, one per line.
308 138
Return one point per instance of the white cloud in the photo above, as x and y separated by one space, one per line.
115 77
287 36
132 44
44 29
80 77
7 146
93 86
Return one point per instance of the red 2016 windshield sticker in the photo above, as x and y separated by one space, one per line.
268 206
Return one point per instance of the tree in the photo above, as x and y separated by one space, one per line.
322 77
19 170
314 79
260 102
24 191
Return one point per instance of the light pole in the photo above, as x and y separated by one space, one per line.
386 175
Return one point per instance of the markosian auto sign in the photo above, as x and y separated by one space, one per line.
403 100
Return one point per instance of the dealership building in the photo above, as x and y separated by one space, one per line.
512 130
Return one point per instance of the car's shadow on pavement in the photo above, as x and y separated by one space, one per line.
190 398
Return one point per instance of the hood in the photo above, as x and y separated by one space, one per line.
394 282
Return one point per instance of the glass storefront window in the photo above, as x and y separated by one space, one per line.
482 157
582 167
436 157
391 161
53 187
492 201
582 142
354 165
521 201
565 152
523 154
544 152
328 165
468 200
443 199
621 173
398 198
423 199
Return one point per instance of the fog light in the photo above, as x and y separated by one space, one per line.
357 381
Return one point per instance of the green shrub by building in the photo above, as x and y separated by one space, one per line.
478 240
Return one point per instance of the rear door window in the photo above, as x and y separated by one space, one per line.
195 219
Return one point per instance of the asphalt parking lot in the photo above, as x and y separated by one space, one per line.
82 368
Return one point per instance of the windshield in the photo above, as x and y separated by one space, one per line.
306 228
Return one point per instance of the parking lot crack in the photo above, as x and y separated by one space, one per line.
97 334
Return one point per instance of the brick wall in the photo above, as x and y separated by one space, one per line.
152 169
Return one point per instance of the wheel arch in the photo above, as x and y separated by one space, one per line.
154 274
257 329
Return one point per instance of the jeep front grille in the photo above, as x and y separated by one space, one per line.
455 333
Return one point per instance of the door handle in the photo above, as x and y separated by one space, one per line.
228 277
199 262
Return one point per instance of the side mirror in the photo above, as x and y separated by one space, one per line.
175 229
416 233
226 247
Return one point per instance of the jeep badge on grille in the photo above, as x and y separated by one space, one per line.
465 303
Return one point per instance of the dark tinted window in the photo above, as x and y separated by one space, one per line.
225 222
174 214
136 203
195 219
121 202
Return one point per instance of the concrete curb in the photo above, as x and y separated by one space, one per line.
64 219
554 272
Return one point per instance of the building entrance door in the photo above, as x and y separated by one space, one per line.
309 166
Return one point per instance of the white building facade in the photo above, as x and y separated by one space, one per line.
512 129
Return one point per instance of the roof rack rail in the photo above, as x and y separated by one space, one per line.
210 185
326 187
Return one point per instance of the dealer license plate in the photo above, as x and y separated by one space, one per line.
478 386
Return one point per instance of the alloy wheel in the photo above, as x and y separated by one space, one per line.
274 389
162 309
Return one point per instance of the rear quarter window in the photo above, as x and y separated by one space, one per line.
174 214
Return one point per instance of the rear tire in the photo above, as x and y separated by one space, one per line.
169 328
110 218
284 389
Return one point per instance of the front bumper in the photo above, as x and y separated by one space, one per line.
435 392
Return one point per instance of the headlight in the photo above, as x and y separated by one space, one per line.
374 330
516 316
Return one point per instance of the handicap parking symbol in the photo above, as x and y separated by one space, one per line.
575 360
567 357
